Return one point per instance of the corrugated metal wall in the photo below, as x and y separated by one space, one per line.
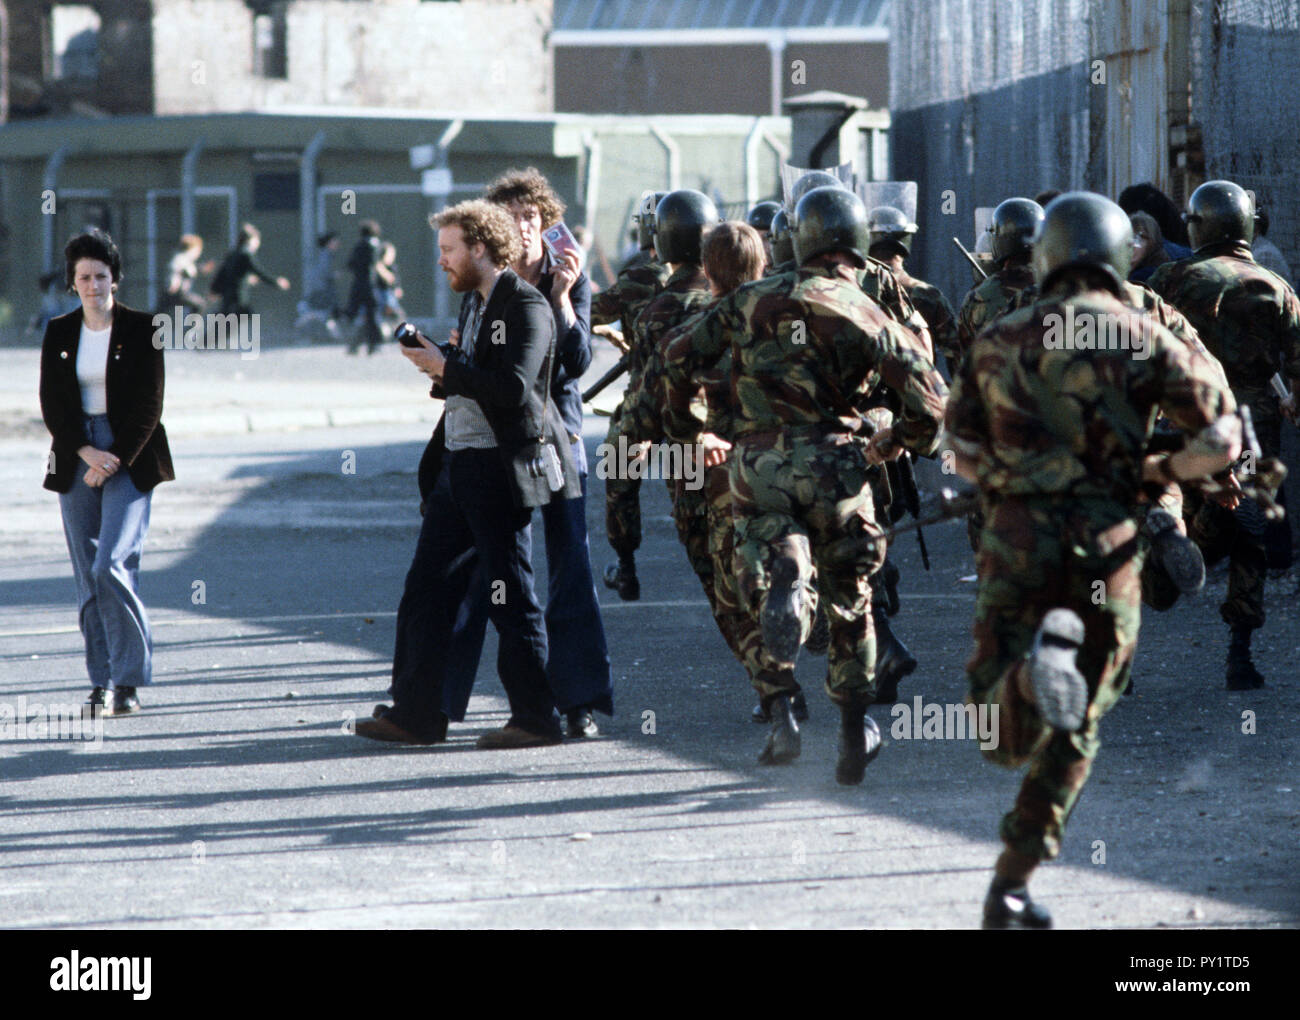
1246 96
994 98
989 99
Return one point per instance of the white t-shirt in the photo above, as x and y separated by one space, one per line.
92 369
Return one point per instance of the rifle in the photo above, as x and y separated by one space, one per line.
619 368
952 505
912 500
971 259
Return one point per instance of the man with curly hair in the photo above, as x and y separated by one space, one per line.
578 665
499 451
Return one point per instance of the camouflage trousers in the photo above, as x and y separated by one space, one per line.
622 500
807 496
1036 555
1238 535
692 514
741 630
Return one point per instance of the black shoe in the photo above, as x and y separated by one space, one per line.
798 706
96 704
783 741
581 724
1177 554
622 578
1242 674
1060 691
893 660
1009 906
782 616
124 701
859 744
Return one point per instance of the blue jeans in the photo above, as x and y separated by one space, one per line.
105 529
471 518
578 666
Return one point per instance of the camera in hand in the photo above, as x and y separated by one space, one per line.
408 336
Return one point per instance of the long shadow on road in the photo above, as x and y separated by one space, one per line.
1180 796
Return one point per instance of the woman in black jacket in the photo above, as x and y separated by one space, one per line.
101 397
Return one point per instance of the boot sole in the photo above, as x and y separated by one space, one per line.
1176 553
1060 690
781 626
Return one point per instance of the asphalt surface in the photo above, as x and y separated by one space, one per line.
238 798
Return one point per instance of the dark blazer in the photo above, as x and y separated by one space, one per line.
135 399
572 350
508 382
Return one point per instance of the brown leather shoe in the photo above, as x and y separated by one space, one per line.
509 737
385 729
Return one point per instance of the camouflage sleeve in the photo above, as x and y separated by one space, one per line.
696 348
966 423
1176 322
607 306
906 368
1290 333
1193 395
943 328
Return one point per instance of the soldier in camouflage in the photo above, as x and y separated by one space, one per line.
1249 318
637 284
806 354
680 221
1055 434
891 236
1011 230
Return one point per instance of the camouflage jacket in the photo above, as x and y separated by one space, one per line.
685 293
1042 419
1139 295
879 283
807 350
637 283
1248 317
1001 293
934 308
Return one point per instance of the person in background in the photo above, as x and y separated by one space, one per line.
1148 247
320 302
182 271
362 309
388 284
239 270
101 393
1266 253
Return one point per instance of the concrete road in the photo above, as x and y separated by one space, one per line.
237 798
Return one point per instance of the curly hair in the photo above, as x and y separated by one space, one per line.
733 254
529 187
93 244
483 222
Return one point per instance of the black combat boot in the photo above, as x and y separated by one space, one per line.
859 744
893 660
1176 554
1242 674
781 621
622 578
798 705
1008 905
783 741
